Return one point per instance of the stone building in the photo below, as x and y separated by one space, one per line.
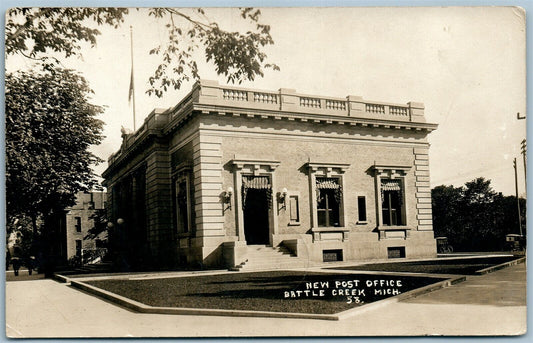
229 171
79 220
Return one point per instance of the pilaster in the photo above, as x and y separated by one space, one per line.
423 190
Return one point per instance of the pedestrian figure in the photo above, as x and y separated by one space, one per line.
30 264
8 259
16 265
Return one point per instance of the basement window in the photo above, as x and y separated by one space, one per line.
396 252
332 255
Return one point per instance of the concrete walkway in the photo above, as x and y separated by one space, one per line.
491 304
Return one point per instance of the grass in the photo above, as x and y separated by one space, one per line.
259 291
464 266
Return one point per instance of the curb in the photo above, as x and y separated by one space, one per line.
143 308
500 266
61 278
411 294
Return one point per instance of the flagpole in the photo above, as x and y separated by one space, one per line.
132 87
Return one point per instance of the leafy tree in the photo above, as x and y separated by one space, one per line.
50 125
33 32
447 203
474 217
479 215
36 32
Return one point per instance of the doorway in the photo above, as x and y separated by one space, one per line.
256 224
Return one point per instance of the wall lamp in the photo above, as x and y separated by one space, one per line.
227 196
282 197
110 225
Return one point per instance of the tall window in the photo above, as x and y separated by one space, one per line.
392 202
361 206
78 247
78 224
329 195
183 206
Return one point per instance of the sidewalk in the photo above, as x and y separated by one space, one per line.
491 304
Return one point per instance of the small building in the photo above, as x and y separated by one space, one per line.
79 219
228 168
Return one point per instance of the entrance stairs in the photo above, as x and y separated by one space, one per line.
263 257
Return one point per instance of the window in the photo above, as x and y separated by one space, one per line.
361 206
332 255
294 210
396 252
78 224
326 184
390 197
78 247
392 202
328 201
183 206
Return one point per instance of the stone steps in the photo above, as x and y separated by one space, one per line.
265 258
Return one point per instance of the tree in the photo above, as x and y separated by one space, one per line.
447 202
474 217
36 32
479 215
50 125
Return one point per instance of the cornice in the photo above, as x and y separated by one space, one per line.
311 118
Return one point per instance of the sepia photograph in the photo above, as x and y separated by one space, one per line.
175 172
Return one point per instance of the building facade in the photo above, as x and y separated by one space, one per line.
79 219
330 179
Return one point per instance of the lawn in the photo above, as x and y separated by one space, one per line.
279 291
464 266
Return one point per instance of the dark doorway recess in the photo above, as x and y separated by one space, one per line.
256 217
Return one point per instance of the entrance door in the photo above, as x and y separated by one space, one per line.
256 217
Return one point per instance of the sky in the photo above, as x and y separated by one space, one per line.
466 64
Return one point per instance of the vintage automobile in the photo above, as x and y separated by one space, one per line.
443 247
515 242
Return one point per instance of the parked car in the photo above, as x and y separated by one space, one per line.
515 242
443 247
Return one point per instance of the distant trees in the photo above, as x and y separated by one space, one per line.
474 217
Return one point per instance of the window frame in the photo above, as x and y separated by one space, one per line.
329 170
364 211
77 219
392 172
329 210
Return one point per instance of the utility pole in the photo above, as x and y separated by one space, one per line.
517 199
524 150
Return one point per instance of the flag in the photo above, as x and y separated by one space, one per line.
130 95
